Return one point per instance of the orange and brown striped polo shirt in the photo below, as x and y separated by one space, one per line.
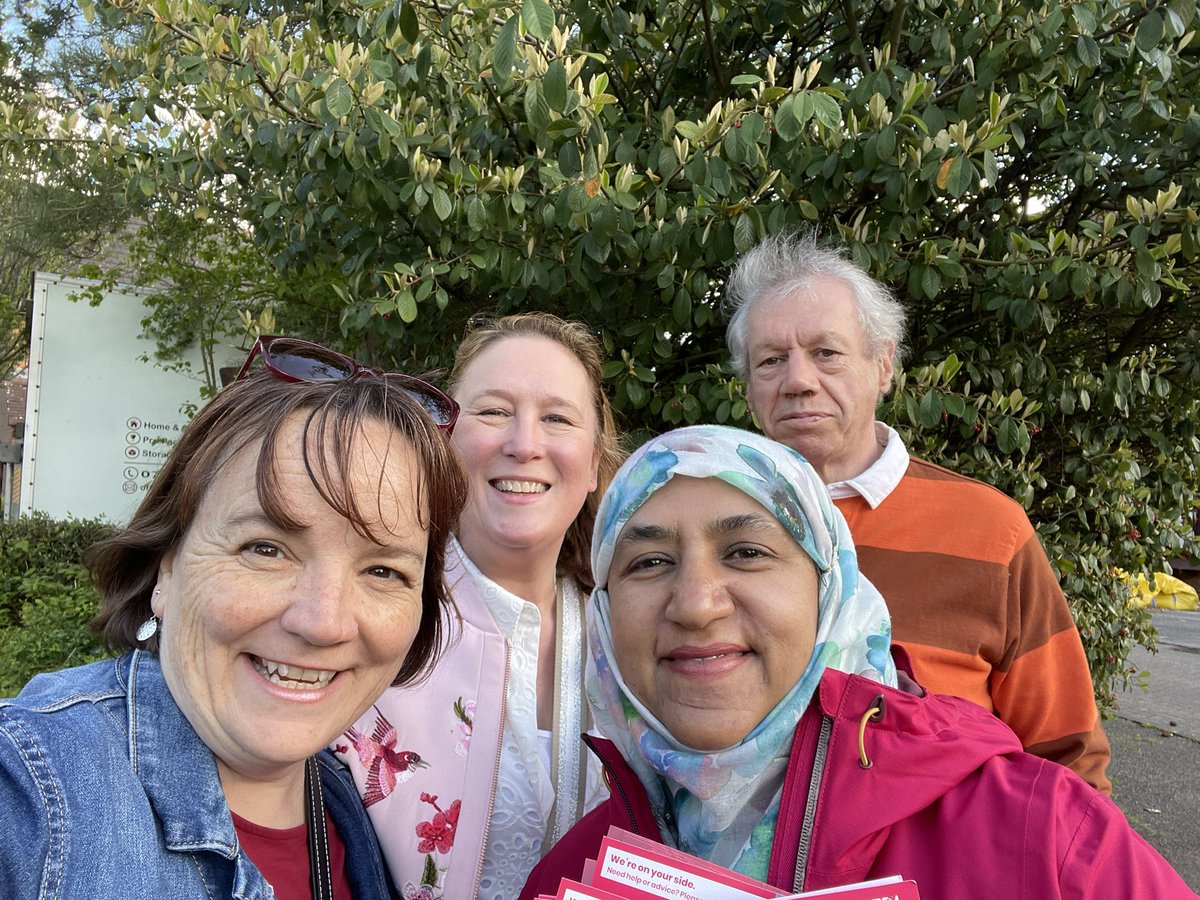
976 604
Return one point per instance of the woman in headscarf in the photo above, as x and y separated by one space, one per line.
740 667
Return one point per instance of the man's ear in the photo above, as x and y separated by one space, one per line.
887 369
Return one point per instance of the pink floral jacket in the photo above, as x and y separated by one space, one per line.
425 758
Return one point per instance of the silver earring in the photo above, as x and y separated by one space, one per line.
147 629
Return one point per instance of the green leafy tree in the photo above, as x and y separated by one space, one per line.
1025 174
58 207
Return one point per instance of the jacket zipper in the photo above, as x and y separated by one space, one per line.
614 782
810 805
487 825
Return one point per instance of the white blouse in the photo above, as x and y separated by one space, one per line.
520 830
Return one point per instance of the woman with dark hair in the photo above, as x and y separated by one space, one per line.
499 720
740 668
282 571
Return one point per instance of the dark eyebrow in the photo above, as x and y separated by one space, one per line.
743 522
637 534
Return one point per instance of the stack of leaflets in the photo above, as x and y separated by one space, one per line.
632 867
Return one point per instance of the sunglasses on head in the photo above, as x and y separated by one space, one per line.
303 362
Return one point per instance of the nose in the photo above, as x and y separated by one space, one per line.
800 376
700 596
321 608
524 439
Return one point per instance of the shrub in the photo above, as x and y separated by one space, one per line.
47 598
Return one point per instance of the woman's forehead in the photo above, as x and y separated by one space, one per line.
369 474
688 501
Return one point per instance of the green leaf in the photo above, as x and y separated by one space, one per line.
929 409
745 79
536 108
1149 32
429 872
804 106
787 126
734 148
885 144
409 27
996 140
406 306
681 309
635 392
476 214
931 282
554 86
1084 17
1087 50
955 405
442 205
744 234
538 17
826 110
960 176
339 99
1008 435
504 51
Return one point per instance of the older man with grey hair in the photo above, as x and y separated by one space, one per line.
973 597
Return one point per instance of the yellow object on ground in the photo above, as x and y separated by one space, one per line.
1167 592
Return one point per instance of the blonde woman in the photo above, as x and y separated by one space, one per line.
470 777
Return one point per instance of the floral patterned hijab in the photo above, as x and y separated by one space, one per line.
722 805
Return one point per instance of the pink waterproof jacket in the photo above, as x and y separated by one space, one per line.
947 798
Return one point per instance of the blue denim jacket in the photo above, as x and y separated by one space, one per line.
106 791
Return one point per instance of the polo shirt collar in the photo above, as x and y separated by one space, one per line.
882 476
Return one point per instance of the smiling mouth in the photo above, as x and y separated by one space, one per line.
708 657
296 678
510 486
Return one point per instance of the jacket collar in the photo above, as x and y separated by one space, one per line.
919 749
469 603
626 792
176 768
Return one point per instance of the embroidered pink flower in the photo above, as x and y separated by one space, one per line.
412 892
438 833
